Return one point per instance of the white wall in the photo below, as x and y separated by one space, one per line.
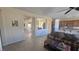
12 34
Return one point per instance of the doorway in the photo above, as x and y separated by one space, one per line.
28 27
43 26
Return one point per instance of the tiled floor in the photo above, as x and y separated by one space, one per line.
27 45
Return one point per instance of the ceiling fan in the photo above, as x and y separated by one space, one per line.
70 9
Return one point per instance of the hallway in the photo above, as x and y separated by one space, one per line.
27 45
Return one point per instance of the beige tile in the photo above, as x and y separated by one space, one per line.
27 45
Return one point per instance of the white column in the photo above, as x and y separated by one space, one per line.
0 45
0 31
33 27
56 26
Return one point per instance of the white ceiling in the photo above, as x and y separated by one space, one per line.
55 12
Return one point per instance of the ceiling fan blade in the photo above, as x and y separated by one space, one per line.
77 8
68 11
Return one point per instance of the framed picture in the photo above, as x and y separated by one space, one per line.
14 23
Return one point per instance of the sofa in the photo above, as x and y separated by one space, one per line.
59 41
